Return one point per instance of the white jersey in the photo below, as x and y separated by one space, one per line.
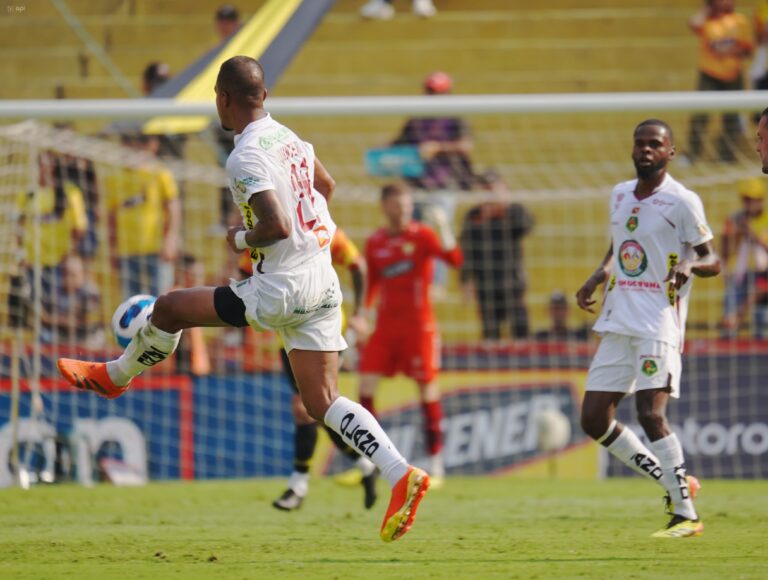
268 155
649 236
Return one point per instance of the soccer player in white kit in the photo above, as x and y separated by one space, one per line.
278 185
659 239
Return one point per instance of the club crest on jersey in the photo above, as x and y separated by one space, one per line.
632 258
408 248
632 223
649 367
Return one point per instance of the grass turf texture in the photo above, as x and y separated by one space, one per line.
472 528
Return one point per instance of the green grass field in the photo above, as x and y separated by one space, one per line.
473 528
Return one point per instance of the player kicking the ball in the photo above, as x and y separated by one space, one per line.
660 238
275 180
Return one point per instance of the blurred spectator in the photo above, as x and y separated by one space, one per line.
383 9
192 355
144 220
444 144
67 313
226 21
744 252
155 75
759 66
52 220
558 322
492 241
725 42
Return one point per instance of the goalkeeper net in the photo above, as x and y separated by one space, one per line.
231 417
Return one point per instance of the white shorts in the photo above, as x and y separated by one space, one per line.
625 364
303 305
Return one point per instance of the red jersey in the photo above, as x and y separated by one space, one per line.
400 268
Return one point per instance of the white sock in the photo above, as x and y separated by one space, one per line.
362 432
628 449
670 454
299 483
366 466
149 347
436 466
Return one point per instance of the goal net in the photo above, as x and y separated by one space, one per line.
536 209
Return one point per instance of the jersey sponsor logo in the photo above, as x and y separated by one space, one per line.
649 367
397 269
362 439
242 185
639 284
635 210
632 223
268 141
632 258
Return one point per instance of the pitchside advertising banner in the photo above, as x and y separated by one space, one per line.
721 417
241 426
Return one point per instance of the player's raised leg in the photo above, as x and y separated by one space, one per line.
156 341
316 375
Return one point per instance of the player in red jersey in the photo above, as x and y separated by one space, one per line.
400 259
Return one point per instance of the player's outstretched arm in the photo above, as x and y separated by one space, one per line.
584 295
272 224
705 265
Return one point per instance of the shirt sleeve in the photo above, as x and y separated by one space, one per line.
694 229
168 188
249 177
431 242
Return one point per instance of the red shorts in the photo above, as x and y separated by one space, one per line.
416 354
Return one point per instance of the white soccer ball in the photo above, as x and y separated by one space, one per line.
130 316
554 430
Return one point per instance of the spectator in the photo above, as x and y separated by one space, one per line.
383 9
155 75
67 313
745 255
759 66
725 42
52 220
226 21
444 144
144 220
558 322
400 257
492 241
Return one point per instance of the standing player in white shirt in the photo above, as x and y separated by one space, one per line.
659 239
280 187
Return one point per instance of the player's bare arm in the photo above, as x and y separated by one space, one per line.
272 222
323 183
705 265
584 295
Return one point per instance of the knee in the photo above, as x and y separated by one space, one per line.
300 414
317 406
653 423
594 424
164 314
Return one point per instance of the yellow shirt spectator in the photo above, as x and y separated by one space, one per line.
719 38
53 224
137 198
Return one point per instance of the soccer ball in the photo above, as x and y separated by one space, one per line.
130 316
554 430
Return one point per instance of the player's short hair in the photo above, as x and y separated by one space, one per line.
391 189
227 12
156 73
657 123
242 77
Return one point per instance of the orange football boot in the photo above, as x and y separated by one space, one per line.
90 376
406 496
